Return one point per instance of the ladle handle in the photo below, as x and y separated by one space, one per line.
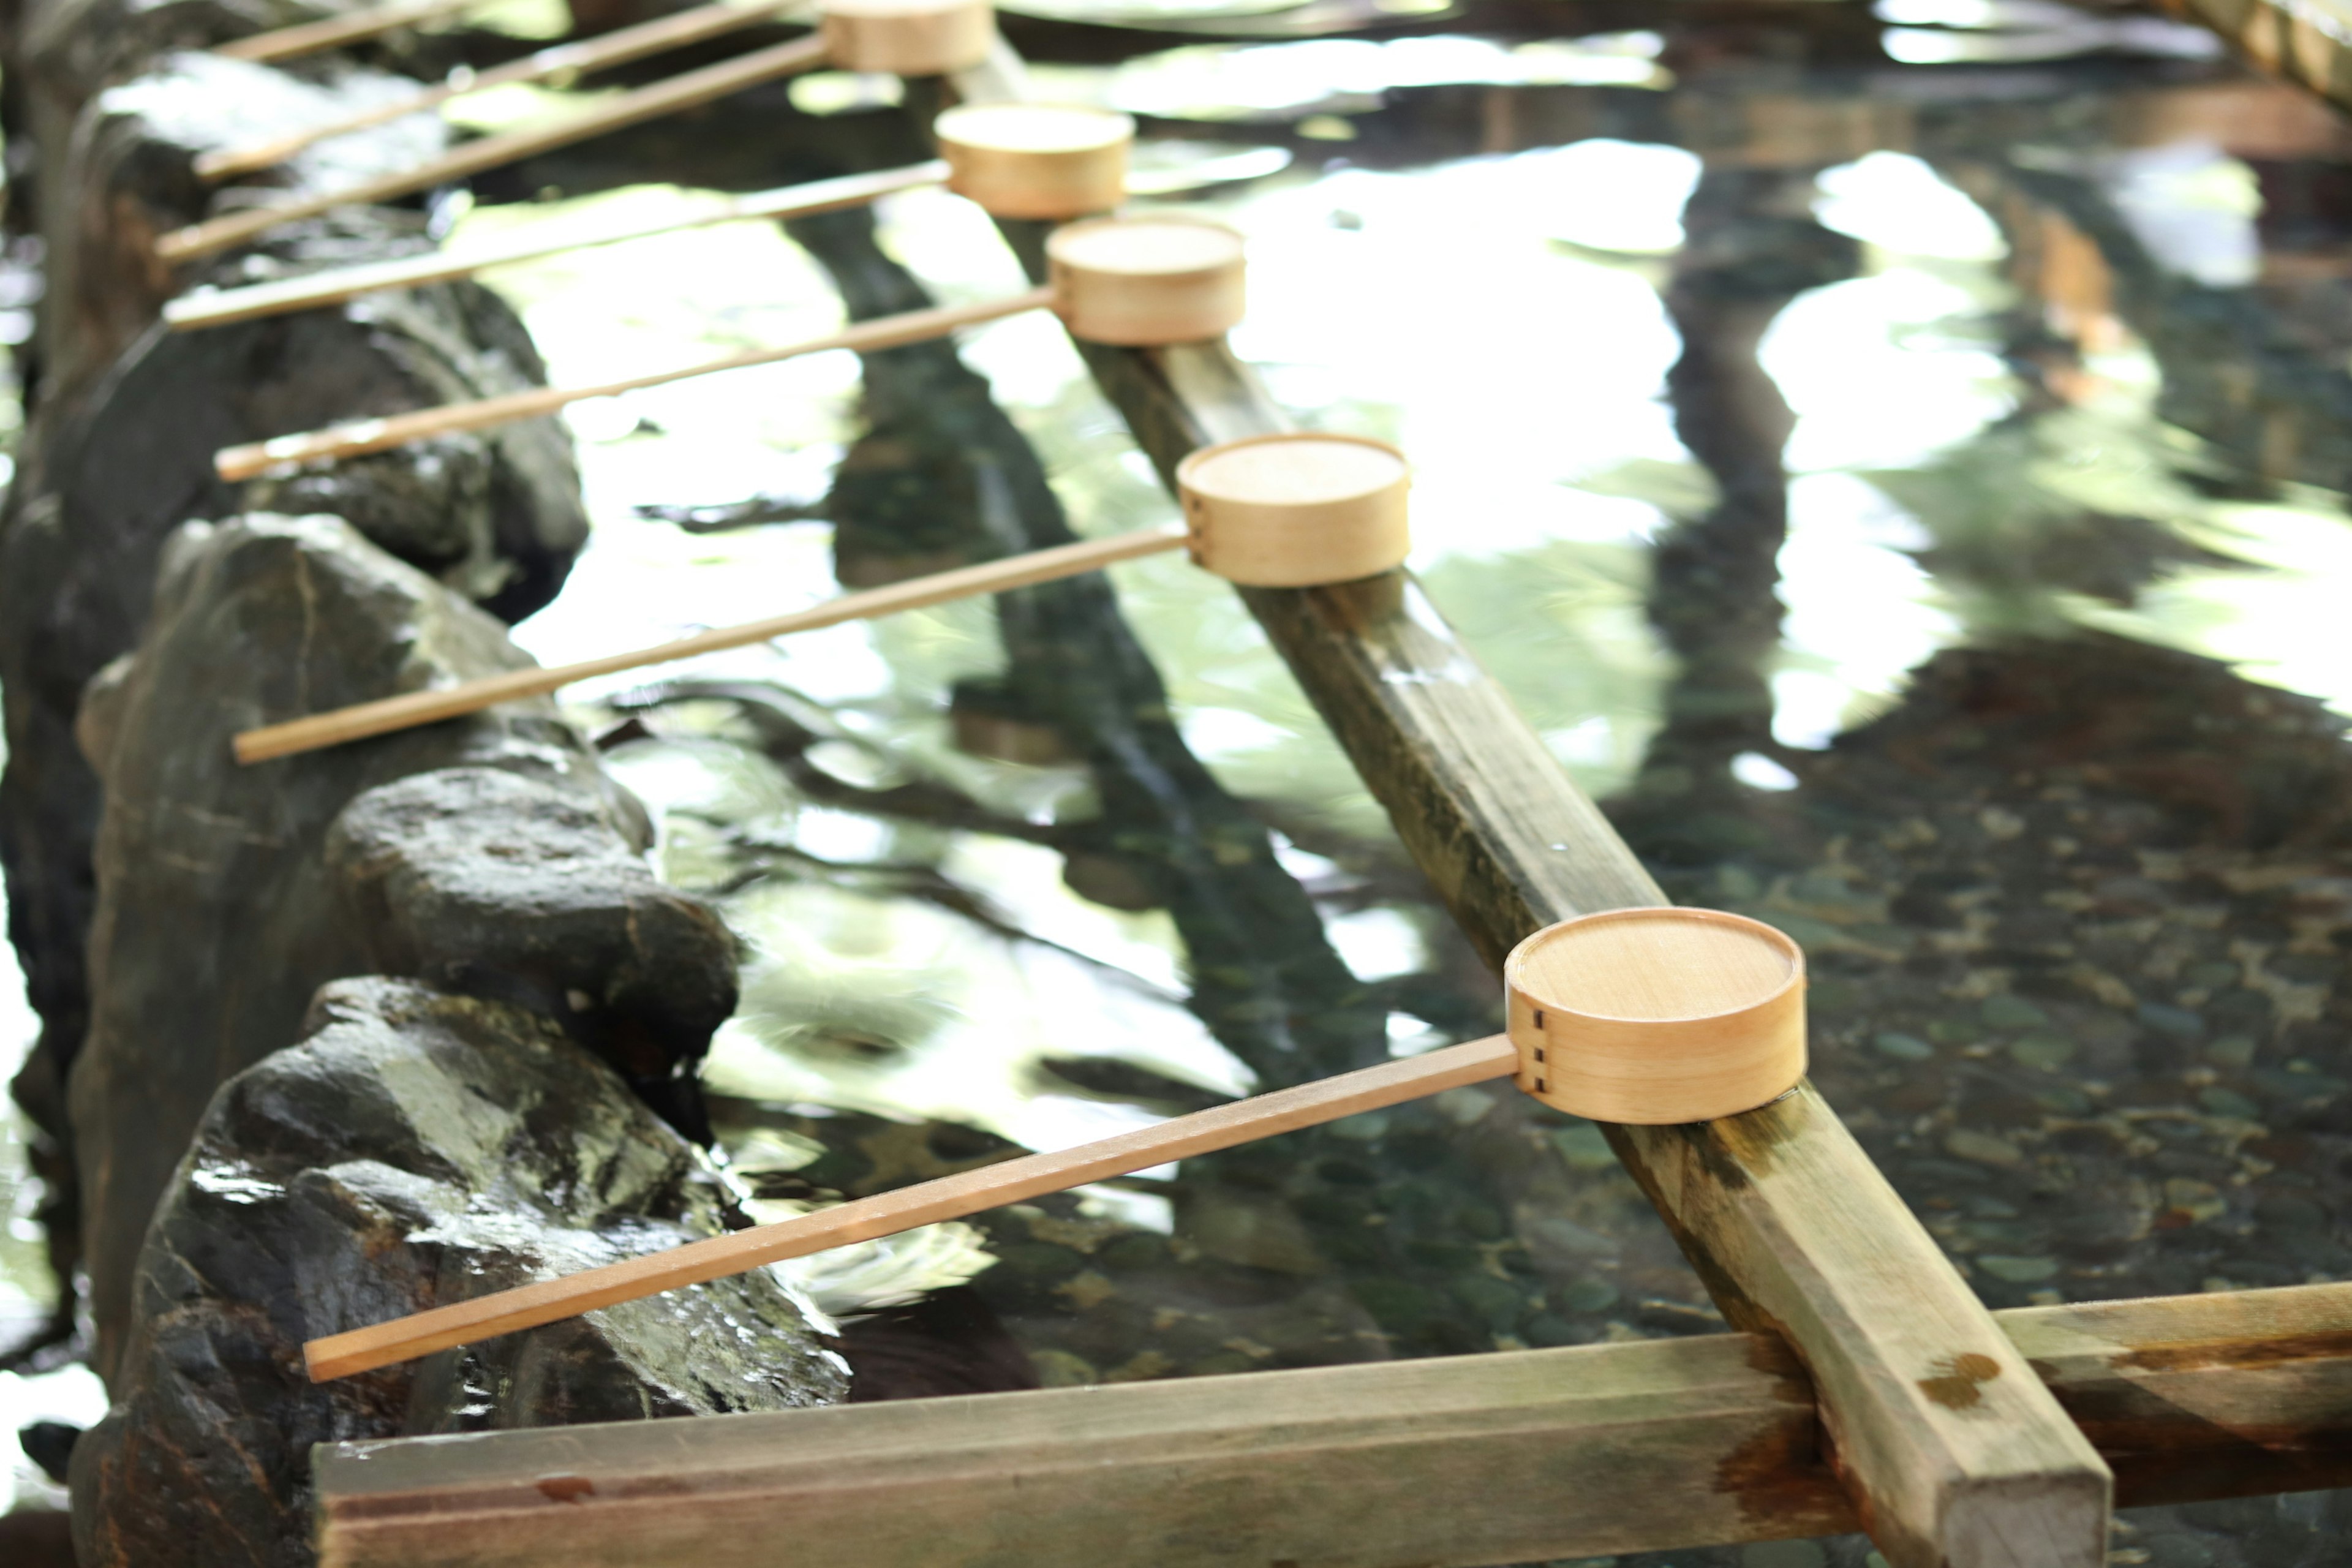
405 712
887 1214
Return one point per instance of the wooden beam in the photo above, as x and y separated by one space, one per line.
1518 1457
1954 1455
2307 42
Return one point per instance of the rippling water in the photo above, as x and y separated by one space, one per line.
1908 495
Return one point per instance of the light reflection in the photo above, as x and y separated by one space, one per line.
1883 370
1897 201
1861 611
2193 207
1239 82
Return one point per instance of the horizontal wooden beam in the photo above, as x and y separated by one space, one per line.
1515 1456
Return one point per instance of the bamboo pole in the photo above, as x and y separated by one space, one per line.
887 1214
358 436
574 58
218 307
320 730
689 90
310 38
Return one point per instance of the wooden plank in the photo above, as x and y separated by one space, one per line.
2235 1393
2307 42
1954 1455
908 1208
1785 1217
1518 1457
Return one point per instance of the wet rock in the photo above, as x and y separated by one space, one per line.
497 517
129 177
117 452
494 883
216 917
948 1341
416 1149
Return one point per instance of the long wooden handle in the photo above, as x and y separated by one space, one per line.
354 437
950 1197
219 307
310 38
685 90
576 58
404 712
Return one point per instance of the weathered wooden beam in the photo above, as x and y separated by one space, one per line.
1518 1457
2307 42
1954 1455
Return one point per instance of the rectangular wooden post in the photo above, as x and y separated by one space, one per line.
1954 1455
1511 1457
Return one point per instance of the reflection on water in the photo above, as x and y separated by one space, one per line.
1919 517
1852 523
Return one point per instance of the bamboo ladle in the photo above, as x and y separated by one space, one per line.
310 38
1661 1016
1284 511
1015 160
906 38
564 61
1119 281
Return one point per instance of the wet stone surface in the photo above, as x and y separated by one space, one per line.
218 912
417 1148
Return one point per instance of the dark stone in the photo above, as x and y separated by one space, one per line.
216 916
948 1341
36 1538
118 449
488 882
129 177
416 1149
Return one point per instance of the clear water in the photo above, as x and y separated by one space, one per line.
2078 909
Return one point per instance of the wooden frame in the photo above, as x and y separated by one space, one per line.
1957 1436
1788 1222
1518 1456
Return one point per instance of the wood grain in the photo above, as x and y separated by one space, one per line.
1657 1016
564 61
351 27
219 307
1526 1455
1036 160
341 725
887 1214
686 91
1289 511
1792 1227
357 437
1153 279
